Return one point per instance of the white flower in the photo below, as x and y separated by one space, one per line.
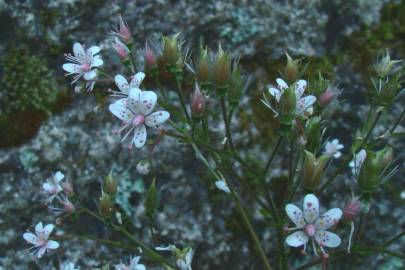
83 62
185 262
123 84
53 186
68 266
136 112
222 185
357 162
133 265
143 167
311 225
332 148
304 104
40 239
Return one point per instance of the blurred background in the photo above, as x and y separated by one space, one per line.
45 127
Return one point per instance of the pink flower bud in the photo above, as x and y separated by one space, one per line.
124 32
68 206
121 49
326 98
150 59
68 187
197 103
351 210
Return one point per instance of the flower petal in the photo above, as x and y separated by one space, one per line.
39 228
72 68
97 61
52 244
304 104
48 230
58 176
120 110
300 88
156 119
137 79
148 102
221 185
30 238
91 75
41 252
140 135
134 99
121 83
327 239
281 84
275 93
328 219
295 215
311 208
297 239
78 51
93 50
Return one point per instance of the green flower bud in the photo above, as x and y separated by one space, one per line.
106 205
236 87
313 170
384 66
110 185
204 67
313 133
373 168
171 53
222 70
292 69
286 106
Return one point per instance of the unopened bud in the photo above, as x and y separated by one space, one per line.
385 65
123 32
150 58
110 185
171 53
222 70
121 49
143 166
292 69
105 205
197 103
313 133
385 156
313 170
326 98
287 106
68 206
351 210
68 187
203 67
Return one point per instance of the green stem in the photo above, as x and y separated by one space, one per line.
182 102
228 132
395 238
397 121
271 157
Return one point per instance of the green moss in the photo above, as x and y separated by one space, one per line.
28 93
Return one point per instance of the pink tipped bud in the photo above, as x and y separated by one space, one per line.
68 206
121 49
351 210
150 59
326 98
68 187
124 32
197 103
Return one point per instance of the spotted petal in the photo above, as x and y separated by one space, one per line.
311 208
58 176
297 239
328 219
48 230
97 61
121 83
137 79
78 51
275 93
281 84
90 75
156 119
327 239
93 50
120 110
304 104
30 238
140 135
300 88
134 100
148 102
72 68
39 228
295 214
52 244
